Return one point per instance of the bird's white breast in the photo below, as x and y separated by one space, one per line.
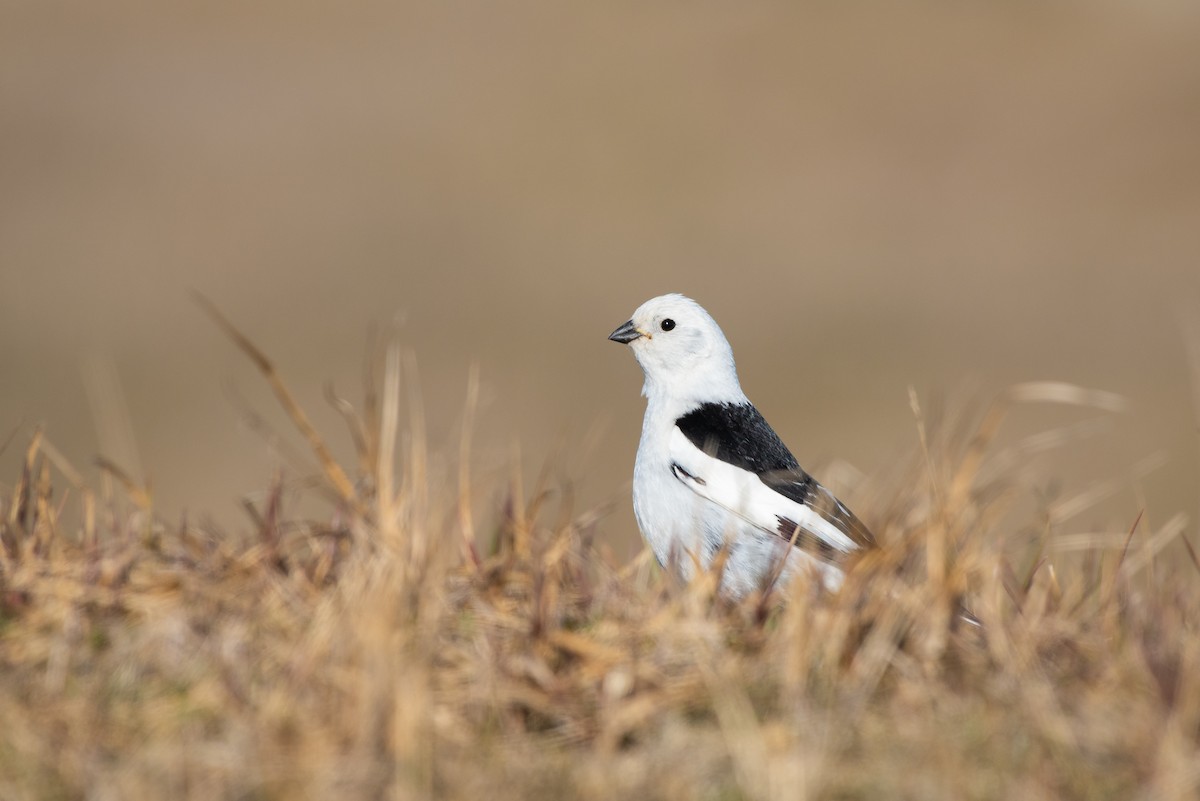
671 518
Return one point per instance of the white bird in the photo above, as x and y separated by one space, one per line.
711 473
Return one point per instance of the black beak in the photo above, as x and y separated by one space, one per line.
625 334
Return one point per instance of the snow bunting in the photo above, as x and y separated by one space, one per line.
711 473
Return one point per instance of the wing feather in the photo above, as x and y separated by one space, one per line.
787 504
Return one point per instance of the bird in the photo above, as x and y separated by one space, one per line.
712 476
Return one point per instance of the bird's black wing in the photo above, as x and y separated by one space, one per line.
736 433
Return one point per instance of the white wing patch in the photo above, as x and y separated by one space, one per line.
744 494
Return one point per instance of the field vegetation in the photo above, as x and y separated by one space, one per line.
410 641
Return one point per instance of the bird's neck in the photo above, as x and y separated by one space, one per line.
665 405
715 382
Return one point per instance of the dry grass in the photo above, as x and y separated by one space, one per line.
410 645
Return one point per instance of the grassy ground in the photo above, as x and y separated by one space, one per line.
409 644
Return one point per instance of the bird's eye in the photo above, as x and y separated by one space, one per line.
668 324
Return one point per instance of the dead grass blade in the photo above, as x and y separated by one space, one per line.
1030 392
63 466
1132 530
354 425
1191 552
138 494
466 522
1171 530
389 430
333 471
11 435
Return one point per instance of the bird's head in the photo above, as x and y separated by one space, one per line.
681 350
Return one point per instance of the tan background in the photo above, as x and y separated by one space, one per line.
953 196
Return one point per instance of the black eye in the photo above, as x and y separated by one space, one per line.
668 324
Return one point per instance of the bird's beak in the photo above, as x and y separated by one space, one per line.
626 333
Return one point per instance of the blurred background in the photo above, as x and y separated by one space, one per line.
867 197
